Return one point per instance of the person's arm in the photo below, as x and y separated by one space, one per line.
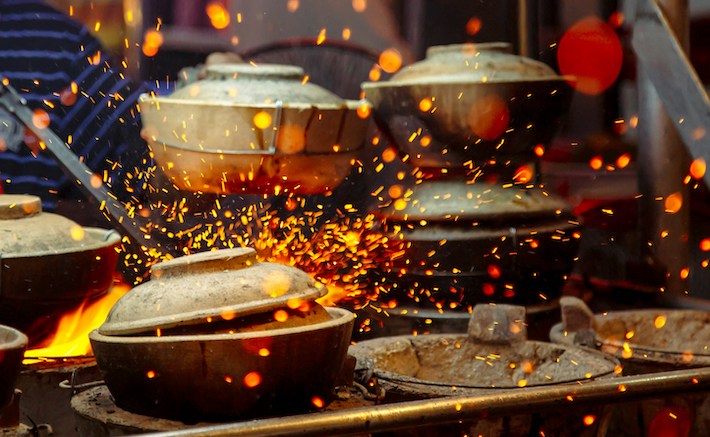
64 75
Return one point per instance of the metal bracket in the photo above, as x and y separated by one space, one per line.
674 78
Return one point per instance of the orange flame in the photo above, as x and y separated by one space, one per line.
71 336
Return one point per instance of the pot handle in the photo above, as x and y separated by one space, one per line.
110 233
497 324
578 321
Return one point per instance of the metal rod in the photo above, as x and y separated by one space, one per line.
72 166
665 83
456 409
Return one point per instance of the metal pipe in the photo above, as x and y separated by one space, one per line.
133 17
527 17
414 25
441 411
662 165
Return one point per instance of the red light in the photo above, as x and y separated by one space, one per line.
494 271
590 52
488 289
670 422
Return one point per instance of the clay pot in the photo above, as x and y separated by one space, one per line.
495 356
248 128
49 260
220 335
469 102
448 232
12 349
646 341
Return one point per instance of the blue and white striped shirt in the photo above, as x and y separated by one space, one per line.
61 69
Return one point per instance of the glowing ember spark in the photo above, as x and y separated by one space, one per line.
589 419
280 315
77 232
473 25
523 174
425 105
673 203
321 37
40 118
318 402
218 15
390 60
262 120
626 352
293 5
623 160
697 168
616 19
363 110
252 379
596 162
659 322
359 5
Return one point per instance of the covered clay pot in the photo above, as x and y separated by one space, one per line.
221 335
253 128
469 101
49 261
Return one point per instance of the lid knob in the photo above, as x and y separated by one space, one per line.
497 324
17 206
226 259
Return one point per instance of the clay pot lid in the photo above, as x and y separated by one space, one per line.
27 231
453 200
252 84
470 63
209 286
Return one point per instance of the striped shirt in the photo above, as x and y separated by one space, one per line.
65 75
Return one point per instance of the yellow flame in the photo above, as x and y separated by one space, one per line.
71 338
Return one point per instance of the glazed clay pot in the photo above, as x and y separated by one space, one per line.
249 128
217 335
469 102
49 260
